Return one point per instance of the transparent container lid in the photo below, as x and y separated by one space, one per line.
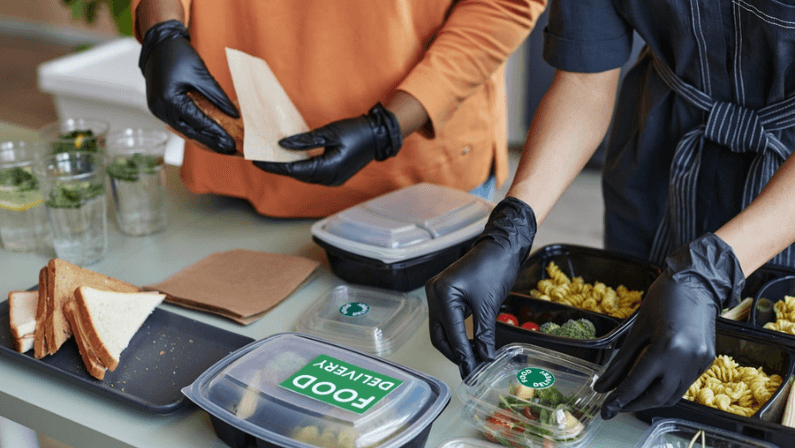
296 390
372 320
677 433
406 223
529 395
467 442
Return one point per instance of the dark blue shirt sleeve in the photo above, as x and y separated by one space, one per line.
586 36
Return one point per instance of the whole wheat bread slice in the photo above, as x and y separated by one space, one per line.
63 279
110 319
39 337
90 359
22 308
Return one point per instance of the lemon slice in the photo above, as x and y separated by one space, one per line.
19 201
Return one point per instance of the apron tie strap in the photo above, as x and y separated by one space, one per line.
740 129
736 127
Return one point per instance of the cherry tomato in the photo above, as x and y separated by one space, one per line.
532 326
508 318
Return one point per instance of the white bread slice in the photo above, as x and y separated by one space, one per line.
63 279
90 359
22 307
110 319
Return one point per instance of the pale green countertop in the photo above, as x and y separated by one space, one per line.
200 225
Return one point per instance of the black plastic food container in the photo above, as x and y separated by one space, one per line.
593 265
752 348
754 284
399 276
526 309
401 239
292 390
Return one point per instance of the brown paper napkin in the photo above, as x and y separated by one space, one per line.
241 285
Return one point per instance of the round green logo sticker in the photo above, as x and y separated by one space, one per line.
354 309
535 378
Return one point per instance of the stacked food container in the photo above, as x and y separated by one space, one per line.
296 391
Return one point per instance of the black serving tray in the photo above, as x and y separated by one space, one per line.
167 353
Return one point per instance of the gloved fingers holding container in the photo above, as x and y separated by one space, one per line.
672 341
477 284
172 69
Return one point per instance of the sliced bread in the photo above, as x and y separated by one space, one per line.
90 358
39 337
109 319
63 278
22 307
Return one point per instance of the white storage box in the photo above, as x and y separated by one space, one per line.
105 82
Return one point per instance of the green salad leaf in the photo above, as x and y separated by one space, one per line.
73 196
78 140
128 169
18 179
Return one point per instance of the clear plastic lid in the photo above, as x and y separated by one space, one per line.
406 223
531 396
467 442
677 433
372 320
296 390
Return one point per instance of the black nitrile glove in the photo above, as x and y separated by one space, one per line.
172 68
350 144
477 284
672 341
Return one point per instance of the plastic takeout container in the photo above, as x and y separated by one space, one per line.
401 239
750 348
372 320
533 397
754 283
678 433
527 309
593 265
467 442
292 390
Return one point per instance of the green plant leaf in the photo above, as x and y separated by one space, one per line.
77 8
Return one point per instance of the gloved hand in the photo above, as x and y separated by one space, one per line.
478 283
672 341
172 68
350 144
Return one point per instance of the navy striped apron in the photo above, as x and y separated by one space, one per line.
739 129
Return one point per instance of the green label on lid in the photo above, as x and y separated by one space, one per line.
340 384
354 309
535 378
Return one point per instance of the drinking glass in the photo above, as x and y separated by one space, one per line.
75 134
23 218
73 185
138 180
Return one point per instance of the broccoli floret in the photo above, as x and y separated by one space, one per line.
575 329
548 327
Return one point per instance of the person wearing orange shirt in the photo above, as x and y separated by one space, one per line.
397 91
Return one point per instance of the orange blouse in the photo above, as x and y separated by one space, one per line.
335 59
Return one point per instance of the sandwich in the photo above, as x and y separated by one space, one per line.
22 307
58 281
104 323
233 126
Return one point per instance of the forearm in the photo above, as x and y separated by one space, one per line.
765 227
410 113
568 126
150 12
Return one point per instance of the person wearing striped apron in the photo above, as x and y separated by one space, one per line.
698 177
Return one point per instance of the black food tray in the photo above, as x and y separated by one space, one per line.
749 347
167 353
